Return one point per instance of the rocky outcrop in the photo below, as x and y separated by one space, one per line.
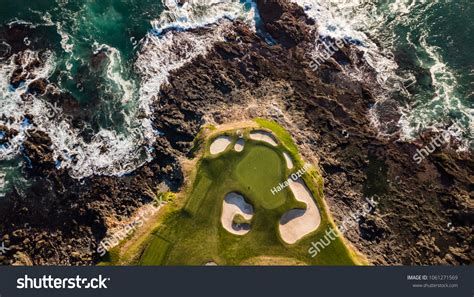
6 135
285 22
19 37
424 213
60 220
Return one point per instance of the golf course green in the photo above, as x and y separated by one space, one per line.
228 213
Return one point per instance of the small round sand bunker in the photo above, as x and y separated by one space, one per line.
233 206
220 144
261 135
239 145
296 223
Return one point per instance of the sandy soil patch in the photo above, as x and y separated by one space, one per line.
235 125
220 144
289 161
296 223
272 260
239 145
262 135
234 204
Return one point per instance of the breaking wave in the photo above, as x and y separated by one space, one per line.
183 32
169 44
375 28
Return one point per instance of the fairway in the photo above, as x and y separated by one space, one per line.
155 252
228 214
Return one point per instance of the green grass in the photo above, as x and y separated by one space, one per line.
155 251
239 219
202 185
280 133
194 235
258 170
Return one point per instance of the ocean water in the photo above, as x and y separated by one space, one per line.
421 50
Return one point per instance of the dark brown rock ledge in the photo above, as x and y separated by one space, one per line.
425 214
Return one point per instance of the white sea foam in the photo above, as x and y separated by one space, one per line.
433 114
116 74
13 107
164 50
359 19
163 54
109 152
200 13
351 20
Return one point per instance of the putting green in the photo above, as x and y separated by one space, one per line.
260 170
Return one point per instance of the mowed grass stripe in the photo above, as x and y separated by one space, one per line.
200 190
156 251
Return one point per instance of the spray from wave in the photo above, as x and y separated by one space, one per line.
376 28
185 31
169 44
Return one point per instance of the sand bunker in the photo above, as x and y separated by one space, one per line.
289 162
296 223
262 135
233 205
220 144
239 145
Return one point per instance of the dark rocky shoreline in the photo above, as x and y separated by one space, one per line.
425 214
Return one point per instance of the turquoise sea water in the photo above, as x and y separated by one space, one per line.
433 46
430 41
422 51
82 28
79 30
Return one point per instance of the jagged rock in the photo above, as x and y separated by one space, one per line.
286 22
242 80
38 87
372 228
